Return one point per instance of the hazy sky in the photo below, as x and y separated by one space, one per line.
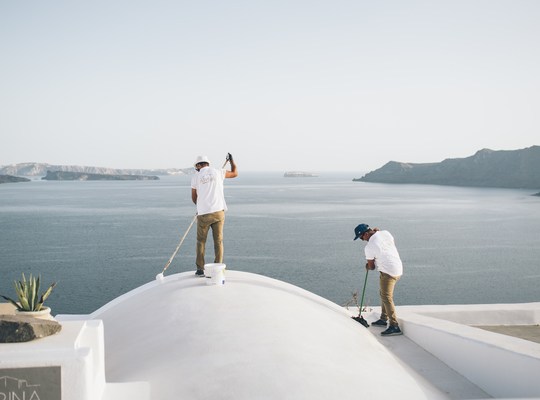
283 85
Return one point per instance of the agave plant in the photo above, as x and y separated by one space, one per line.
27 293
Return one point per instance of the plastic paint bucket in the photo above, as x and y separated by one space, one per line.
215 273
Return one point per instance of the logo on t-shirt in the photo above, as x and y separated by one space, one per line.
206 178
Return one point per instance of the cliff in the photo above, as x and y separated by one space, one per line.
40 169
81 176
12 179
486 168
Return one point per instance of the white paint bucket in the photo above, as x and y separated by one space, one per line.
215 273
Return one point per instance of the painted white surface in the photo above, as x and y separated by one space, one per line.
78 349
252 338
502 366
259 338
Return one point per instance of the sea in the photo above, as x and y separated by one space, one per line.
101 239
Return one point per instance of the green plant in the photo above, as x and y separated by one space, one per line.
27 293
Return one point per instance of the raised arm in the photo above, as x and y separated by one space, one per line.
233 173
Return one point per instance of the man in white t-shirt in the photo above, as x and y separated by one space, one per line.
381 253
207 194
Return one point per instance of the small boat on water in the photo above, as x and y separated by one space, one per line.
299 174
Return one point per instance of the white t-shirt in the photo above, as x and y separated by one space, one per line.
382 249
209 185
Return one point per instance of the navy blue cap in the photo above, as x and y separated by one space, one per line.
360 230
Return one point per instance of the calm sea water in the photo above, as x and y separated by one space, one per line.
102 239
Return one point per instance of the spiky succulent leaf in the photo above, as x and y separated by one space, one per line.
17 305
22 293
34 290
47 293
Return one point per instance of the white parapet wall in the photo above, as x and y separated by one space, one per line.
68 365
502 366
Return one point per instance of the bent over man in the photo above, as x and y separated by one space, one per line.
381 253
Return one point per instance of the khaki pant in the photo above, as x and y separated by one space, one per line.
215 221
388 310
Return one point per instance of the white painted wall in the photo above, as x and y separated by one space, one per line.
79 350
503 366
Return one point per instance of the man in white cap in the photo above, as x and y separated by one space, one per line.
207 194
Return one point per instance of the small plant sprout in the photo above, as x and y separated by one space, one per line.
353 302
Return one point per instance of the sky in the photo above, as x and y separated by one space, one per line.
333 85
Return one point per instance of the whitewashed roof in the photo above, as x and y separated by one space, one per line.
252 338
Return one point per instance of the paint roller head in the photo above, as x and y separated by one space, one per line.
160 277
361 320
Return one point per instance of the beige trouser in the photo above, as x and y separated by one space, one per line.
388 311
215 221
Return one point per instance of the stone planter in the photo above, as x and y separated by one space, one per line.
44 313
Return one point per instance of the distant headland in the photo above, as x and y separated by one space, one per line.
12 179
22 171
487 168
83 176
33 169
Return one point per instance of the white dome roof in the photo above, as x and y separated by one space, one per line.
252 338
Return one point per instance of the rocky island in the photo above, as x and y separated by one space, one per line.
12 179
35 169
487 168
82 176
